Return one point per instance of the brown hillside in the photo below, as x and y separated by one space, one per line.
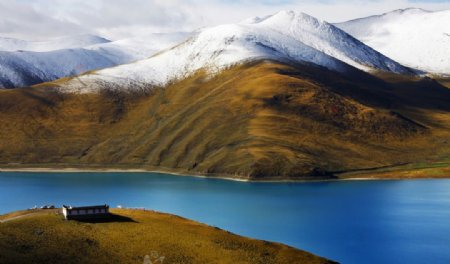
260 120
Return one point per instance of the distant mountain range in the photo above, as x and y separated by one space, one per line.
72 42
24 63
415 37
409 41
284 96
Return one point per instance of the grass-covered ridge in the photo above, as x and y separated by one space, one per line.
263 120
45 237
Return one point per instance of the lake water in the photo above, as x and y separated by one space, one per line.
351 222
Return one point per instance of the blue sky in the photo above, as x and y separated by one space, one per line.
116 19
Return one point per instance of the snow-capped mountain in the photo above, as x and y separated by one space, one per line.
285 36
28 63
414 37
18 69
72 42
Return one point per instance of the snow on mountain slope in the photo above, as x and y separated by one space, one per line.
140 47
414 37
72 42
327 38
24 68
285 36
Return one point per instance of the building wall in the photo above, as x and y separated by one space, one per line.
84 212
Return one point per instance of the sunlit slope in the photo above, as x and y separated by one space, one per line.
258 120
129 236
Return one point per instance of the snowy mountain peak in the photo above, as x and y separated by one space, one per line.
329 39
285 18
411 10
289 17
414 37
284 36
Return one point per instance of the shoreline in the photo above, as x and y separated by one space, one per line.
354 175
113 170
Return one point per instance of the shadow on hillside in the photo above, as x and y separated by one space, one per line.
425 93
112 218
390 91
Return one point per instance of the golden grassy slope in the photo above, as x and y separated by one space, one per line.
46 238
259 120
445 81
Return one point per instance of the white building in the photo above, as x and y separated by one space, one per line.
85 212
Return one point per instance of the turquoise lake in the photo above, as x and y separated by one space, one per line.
349 221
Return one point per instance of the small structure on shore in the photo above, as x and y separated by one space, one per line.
85 212
48 207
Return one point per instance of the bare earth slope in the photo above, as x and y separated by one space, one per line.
131 235
262 120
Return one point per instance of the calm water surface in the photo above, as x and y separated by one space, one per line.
351 222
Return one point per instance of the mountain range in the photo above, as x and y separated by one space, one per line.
286 37
283 96
25 63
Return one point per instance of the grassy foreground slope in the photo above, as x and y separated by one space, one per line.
45 237
259 120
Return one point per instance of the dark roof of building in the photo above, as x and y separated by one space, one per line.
86 207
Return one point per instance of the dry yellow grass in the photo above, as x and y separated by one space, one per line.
407 171
444 81
45 237
259 121
401 174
